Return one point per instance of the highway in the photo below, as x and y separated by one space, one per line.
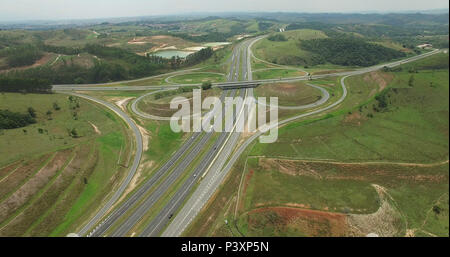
212 169
213 180
156 226
234 83
141 201
210 178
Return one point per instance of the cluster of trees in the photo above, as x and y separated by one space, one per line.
130 66
21 55
24 85
208 37
349 51
199 56
114 64
382 101
59 49
263 26
206 85
12 120
277 37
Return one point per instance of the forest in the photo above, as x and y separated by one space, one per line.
349 51
115 64
24 85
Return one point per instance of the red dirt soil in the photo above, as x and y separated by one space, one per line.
310 222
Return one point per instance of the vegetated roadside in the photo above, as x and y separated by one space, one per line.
55 172
378 165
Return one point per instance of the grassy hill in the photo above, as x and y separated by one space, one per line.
54 173
287 52
378 164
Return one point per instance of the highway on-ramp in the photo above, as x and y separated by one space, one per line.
213 168
137 158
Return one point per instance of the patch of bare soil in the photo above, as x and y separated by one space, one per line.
385 222
122 102
145 166
45 59
145 137
21 174
354 119
307 222
7 169
95 128
32 186
79 166
382 79
159 37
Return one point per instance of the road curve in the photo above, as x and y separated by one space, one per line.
132 171
211 183
224 84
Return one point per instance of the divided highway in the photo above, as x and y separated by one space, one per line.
210 171
132 210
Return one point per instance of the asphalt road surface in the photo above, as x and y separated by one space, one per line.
193 146
212 165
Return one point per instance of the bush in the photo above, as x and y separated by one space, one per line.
12 120
206 85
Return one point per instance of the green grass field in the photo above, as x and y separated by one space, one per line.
197 78
69 176
289 94
319 178
276 73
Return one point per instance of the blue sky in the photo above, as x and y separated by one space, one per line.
74 9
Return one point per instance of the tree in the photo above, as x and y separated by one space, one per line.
56 106
74 133
32 112
206 85
49 115
411 81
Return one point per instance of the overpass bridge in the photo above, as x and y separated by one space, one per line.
236 85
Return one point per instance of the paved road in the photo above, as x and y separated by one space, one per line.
116 214
141 199
132 171
224 84
213 177
210 161
213 180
